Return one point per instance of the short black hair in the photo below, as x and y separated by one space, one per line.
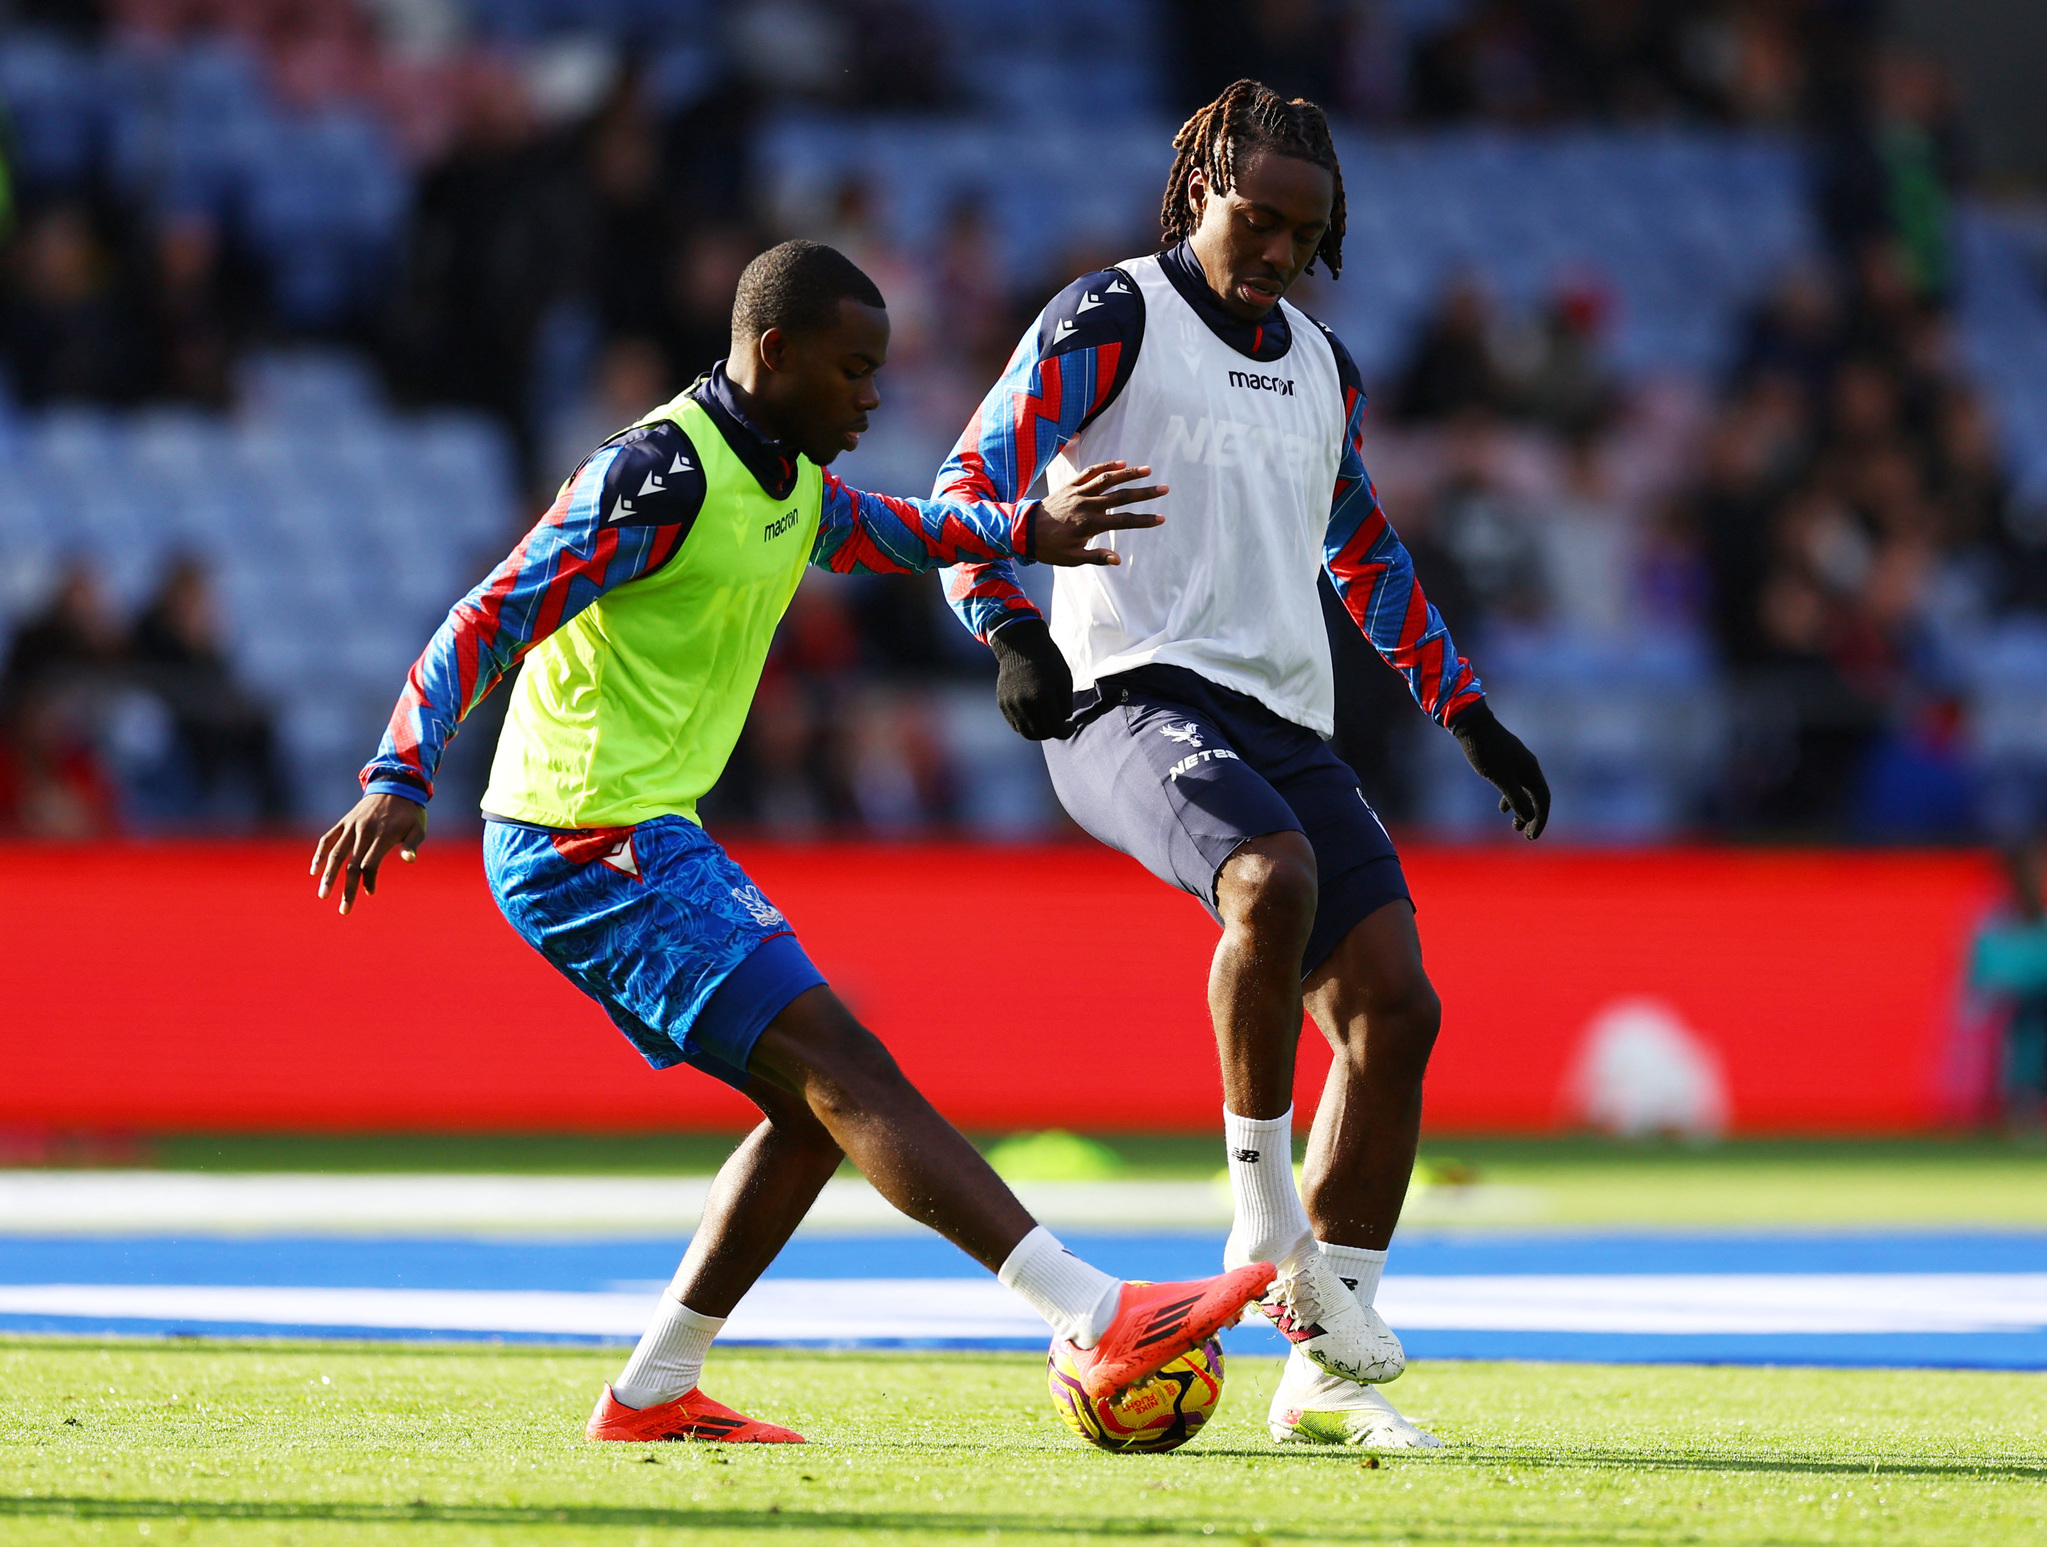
797 287
1252 116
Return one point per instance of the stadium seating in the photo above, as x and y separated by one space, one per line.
340 530
320 198
1685 227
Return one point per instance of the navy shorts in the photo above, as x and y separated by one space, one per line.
1178 772
658 925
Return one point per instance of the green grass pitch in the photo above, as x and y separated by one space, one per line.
360 1443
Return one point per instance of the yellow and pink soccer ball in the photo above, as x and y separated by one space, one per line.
1162 1413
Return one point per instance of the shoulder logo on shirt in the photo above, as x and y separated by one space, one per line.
1065 327
778 526
1117 287
654 479
763 912
1258 383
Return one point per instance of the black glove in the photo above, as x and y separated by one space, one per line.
1032 683
1508 766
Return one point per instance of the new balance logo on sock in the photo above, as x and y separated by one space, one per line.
1249 1157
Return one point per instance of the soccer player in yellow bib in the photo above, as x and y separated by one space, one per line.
643 605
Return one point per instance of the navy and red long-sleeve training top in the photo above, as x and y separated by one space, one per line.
1071 365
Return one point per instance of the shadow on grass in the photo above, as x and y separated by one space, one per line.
893 1522
2029 1469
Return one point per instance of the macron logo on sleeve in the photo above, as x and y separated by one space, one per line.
654 484
654 479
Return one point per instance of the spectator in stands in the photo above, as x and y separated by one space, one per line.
51 782
72 647
629 227
858 227
976 316
630 381
225 738
1896 162
1493 63
1568 386
2008 965
703 274
494 243
1453 366
194 338
69 325
60 667
1486 532
1795 333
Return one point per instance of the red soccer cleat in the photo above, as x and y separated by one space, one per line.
1156 1323
691 1416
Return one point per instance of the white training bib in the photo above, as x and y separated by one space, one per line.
1250 449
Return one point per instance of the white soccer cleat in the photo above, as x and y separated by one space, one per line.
1311 1408
1317 1312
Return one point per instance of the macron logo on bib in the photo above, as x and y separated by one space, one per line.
1257 383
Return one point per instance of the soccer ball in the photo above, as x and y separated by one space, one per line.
1162 1413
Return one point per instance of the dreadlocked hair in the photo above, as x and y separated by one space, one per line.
1251 116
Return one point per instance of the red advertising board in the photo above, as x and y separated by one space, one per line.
185 986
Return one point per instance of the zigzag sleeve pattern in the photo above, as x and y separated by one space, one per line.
1374 575
569 559
1067 369
881 534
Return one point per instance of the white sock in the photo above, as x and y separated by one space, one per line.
1357 1266
1077 1298
670 1355
1270 1226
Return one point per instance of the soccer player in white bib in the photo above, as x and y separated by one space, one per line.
1185 697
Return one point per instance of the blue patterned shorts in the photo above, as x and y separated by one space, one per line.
658 925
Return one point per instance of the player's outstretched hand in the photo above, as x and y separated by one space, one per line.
1091 504
355 846
1505 763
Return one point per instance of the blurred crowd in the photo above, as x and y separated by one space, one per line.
1809 544
105 727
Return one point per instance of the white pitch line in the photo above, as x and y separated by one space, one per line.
1719 1302
119 1202
215 1203
777 1310
855 1310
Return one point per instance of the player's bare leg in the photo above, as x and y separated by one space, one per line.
818 1052
760 1196
1266 893
1374 1002
829 1090
1114 1333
